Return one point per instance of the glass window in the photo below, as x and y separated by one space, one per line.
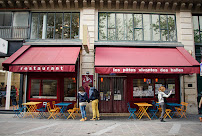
120 27
5 18
35 88
103 26
75 26
111 88
34 26
21 19
156 29
70 89
197 24
49 88
138 27
43 89
143 87
55 26
50 25
168 83
147 27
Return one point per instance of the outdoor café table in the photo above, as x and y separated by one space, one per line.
143 109
31 108
172 106
63 106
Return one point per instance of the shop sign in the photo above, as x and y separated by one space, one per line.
86 79
200 69
158 70
86 38
42 68
3 46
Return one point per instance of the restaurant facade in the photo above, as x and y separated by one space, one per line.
127 49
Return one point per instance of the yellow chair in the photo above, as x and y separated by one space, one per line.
167 113
55 107
179 109
183 110
72 111
53 112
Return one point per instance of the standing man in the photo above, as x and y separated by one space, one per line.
94 96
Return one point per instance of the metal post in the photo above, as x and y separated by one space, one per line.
8 91
21 89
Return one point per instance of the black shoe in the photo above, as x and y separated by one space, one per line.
163 120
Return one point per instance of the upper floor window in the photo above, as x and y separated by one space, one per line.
55 26
137 27
197 24
14 25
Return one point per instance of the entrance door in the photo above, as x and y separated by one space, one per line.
112 94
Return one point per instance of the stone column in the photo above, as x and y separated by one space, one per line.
87 17
186 37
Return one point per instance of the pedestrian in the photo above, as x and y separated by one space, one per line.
200 104
94 96
161 99
83 99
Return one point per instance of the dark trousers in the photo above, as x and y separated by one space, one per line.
163 107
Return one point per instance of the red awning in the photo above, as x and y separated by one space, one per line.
144 60
43 59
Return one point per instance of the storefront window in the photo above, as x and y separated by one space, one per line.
149 87
69 89
43 89
143 87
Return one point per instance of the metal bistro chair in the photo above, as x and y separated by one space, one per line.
131 111
154 111
42 110
18 110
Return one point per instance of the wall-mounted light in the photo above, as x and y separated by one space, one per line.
156 79
145 80
87 72
101 79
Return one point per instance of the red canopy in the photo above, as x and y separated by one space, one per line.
144 60
43 59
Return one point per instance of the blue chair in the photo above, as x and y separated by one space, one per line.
154 111
131 111
42 110
18 110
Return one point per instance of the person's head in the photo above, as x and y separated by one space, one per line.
81 89
90 85
162 89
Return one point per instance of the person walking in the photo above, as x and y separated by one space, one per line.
161 99
83 99
94 96
200 103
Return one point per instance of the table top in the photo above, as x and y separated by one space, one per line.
31 103
143 104
174 104
63 104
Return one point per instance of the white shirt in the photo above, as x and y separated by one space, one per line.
161 95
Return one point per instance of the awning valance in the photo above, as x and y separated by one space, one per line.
144 60
43 59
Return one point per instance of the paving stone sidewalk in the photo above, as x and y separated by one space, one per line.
108 126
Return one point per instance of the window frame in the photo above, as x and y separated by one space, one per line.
44 99
107 38
140 99
63 26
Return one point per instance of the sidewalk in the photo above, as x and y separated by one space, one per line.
108 126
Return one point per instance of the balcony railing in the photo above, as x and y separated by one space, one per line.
17 32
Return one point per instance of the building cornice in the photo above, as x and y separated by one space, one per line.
125 5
